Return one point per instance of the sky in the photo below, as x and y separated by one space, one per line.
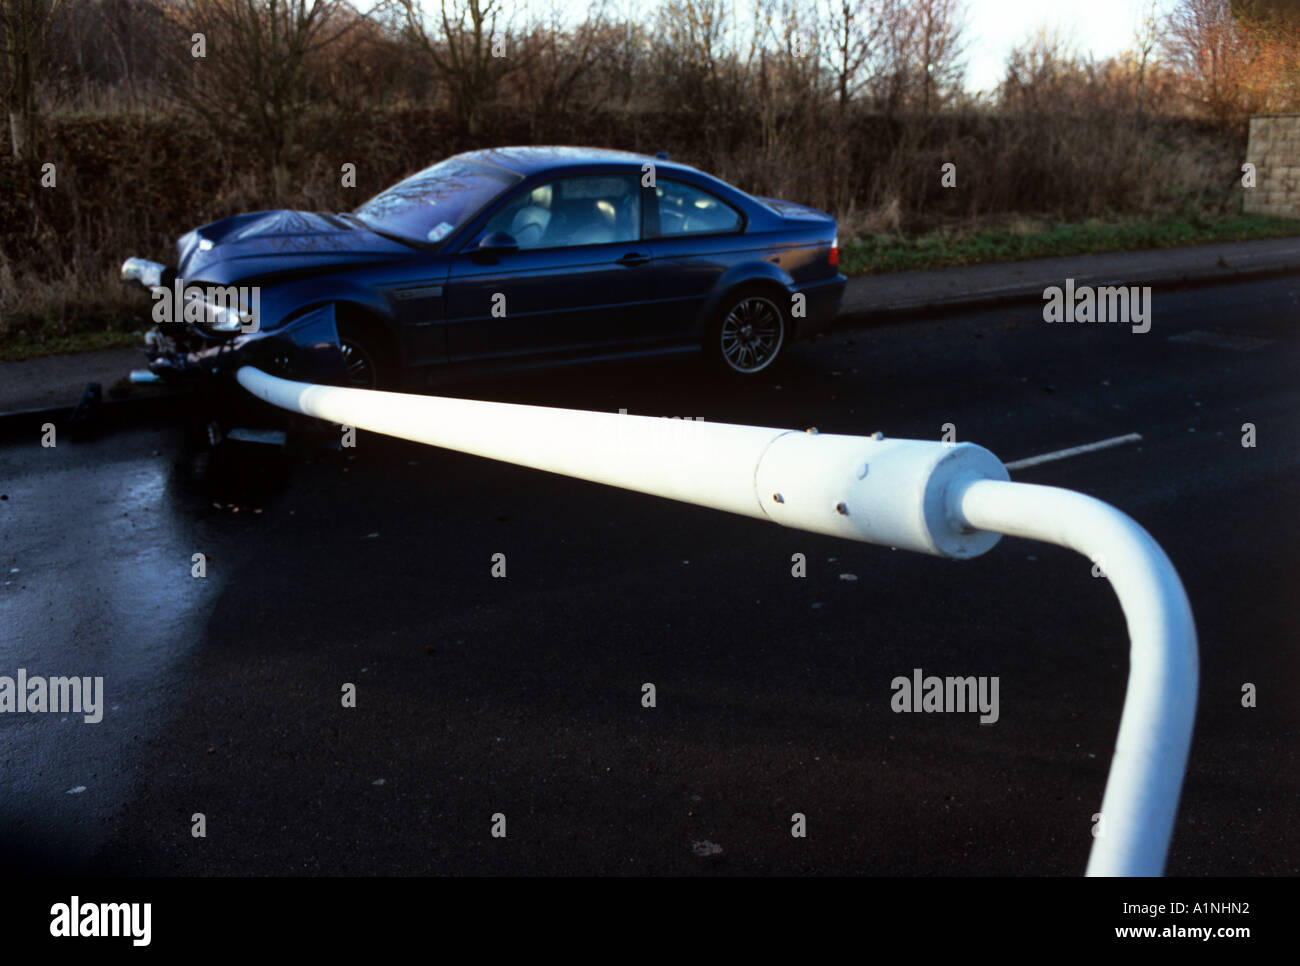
1097 27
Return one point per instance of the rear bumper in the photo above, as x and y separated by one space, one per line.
821 305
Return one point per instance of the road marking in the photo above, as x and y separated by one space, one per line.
273 437
1222 340
1062 454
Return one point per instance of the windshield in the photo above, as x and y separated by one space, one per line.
430 205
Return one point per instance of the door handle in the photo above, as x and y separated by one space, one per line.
632 259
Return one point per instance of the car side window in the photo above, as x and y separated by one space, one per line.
588 210
687 210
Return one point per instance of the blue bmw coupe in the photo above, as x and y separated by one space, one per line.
534 255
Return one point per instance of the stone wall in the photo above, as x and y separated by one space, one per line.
1274 150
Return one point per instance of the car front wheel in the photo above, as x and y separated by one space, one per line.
748 334
367 359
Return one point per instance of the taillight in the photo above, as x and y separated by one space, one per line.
835 253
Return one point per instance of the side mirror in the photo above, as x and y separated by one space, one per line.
497 242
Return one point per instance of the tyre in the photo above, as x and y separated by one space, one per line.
368 358
749 332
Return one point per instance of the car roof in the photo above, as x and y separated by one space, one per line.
533 160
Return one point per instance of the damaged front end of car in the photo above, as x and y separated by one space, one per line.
203 332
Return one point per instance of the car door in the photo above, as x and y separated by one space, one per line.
579 280
696 237
415 296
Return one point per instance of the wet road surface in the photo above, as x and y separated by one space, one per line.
522 695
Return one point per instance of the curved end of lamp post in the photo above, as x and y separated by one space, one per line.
1146 773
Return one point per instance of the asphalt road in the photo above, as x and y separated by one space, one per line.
522 695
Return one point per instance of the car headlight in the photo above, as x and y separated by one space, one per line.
148 274
224 318
221 314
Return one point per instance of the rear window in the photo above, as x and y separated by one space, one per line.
687 210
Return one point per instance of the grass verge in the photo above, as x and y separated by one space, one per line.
1022 240
26 346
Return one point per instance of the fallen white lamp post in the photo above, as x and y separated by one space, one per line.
947 499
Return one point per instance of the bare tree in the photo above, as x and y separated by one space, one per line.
242 65
1273 29
469 44
621 56
553 59
889 79
105 48
691 56
939 51
1146 37
790 52
26 26
1205 41
853 29
1042 75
